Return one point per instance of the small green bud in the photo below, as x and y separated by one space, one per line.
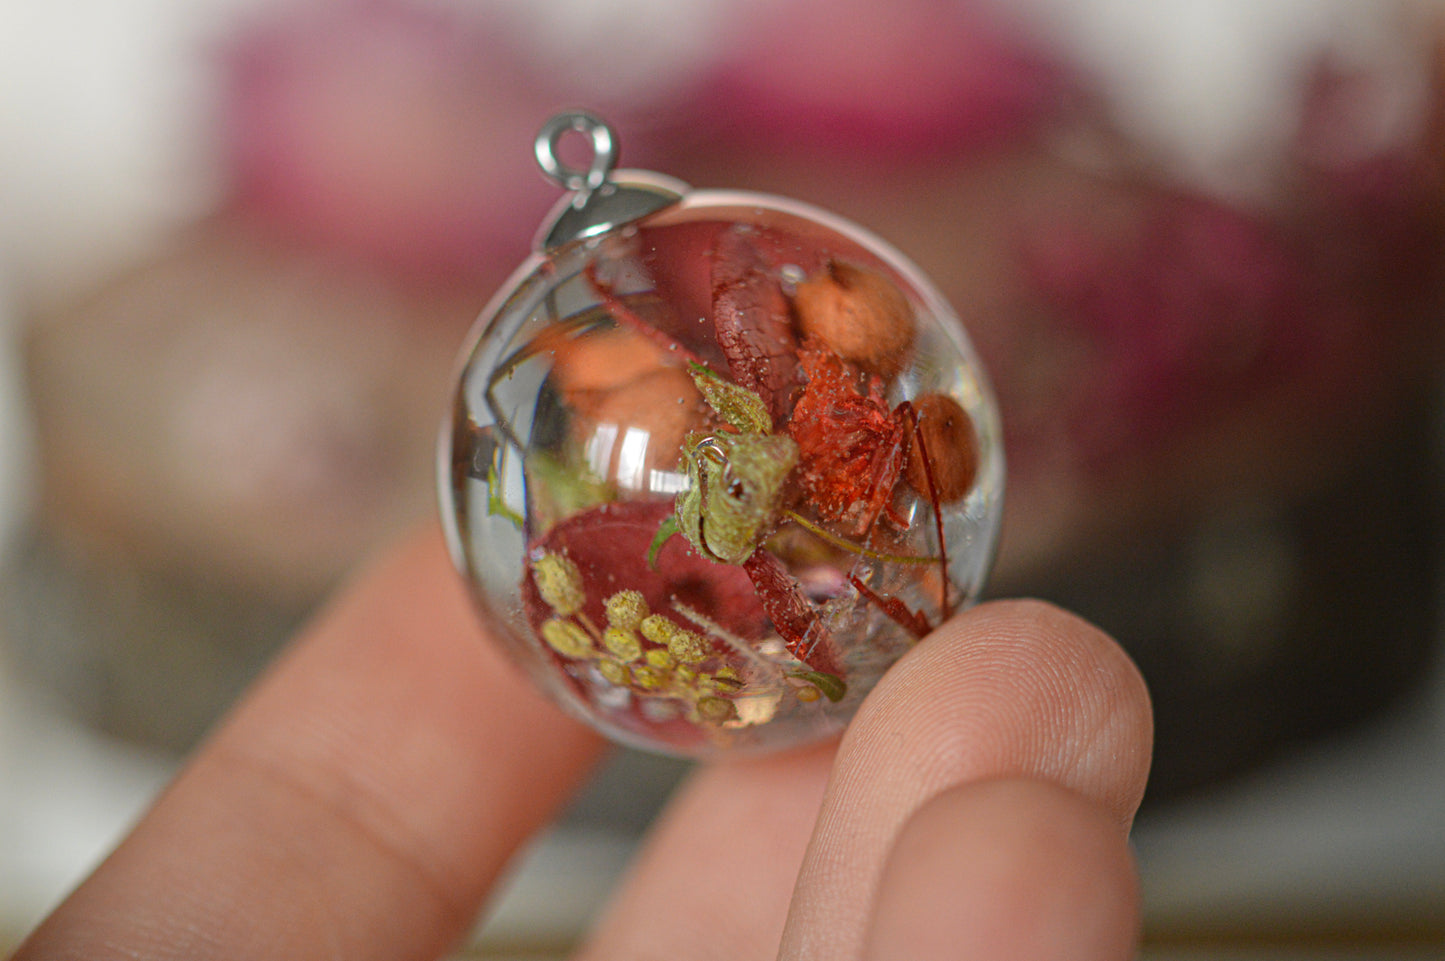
624 645
567 638
560 583
626 609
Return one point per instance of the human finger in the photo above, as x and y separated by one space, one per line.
358 803
714 877
1011 868
1003 689
1011 689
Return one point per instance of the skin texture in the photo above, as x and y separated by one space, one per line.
1025 870
362 800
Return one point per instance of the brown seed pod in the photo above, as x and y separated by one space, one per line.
945 432
662 403
859 314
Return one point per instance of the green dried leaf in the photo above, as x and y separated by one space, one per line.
832 686
666 529
740 407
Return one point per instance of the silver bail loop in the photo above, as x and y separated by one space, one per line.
604 153
597 203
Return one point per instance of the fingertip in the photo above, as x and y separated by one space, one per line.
1006 690
1026 687
1009 868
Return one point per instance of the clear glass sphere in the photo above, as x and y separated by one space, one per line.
710 473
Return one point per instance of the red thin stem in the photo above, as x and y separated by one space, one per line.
628 317
945 607
911 621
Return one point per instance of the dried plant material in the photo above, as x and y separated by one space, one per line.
859 314
946 437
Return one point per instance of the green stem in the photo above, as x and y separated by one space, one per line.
497 507
853 548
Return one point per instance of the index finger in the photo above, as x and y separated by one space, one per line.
358 803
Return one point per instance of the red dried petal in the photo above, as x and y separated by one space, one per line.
609 545
754 323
